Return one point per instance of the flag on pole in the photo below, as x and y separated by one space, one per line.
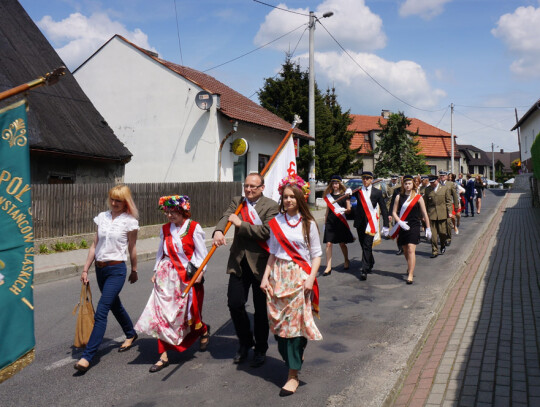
283 165
16 244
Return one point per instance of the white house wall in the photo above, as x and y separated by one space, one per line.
528 132
152 111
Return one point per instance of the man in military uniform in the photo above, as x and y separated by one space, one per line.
424 184
438 201
456 203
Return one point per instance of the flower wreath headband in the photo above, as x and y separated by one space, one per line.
175 202
294 180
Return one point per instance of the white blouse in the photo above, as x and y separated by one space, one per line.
295 236
112 235
199 238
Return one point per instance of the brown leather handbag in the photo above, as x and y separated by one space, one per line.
85 317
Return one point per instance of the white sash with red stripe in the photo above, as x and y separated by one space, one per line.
408 205
371 214
328 199
250 215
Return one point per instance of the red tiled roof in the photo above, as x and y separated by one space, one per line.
434 142
232 104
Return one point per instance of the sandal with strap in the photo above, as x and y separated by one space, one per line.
156 368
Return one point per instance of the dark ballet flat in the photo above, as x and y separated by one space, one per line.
125 348
156 368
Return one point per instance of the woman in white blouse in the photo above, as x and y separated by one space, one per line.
176 322
116 232
289 278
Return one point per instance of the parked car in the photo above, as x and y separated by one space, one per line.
353 184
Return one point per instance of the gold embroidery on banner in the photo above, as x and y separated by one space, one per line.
27 303
16 366
15 134
2 265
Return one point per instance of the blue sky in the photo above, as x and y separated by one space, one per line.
481 55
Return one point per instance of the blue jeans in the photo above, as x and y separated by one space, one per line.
110 280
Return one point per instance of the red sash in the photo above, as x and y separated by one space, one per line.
405 214
188 246
367 211
333 209
246 217
290 249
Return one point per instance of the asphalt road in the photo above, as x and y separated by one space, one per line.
370 329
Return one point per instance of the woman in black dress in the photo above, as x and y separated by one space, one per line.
408 211
480 193
336 228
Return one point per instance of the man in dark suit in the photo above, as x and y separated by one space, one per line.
362 220
247 261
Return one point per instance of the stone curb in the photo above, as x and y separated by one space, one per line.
393 394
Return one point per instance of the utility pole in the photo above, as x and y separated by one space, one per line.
312 182
452 138
492 162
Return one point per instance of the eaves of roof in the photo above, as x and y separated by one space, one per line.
524 118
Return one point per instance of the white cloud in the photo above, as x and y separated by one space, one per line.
353 25
426 9
520 32
405 79
76 37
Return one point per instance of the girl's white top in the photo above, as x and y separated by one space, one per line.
295 236
199 237
112 235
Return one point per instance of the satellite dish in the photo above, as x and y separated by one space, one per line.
204 100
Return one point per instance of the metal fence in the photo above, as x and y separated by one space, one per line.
69 209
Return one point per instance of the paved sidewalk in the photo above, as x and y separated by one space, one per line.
483 348
56 266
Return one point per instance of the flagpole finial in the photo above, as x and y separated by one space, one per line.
297 120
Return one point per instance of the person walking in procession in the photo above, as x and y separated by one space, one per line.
176 322
439 208
408 210
247 261
470 192
116 232
336 227
366 220
290 277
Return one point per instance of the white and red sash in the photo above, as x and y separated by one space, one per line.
291 250
328 199
371 214
250 215
406 208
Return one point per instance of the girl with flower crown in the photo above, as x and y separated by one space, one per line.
176 322
289 278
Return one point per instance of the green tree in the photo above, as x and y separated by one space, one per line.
398 150
287 95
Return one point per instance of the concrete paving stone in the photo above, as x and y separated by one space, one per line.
501 402
519 376
518 367
453 384
503 364
519 397
488 367
488 376
502 391
467 401
449 403
475 362
469 390
441 378
485 385
519 386
444 369
438 388
534 401
473 371
435 398
489 359
484 397
478 404
502 380
533 390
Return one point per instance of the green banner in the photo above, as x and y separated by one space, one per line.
16 244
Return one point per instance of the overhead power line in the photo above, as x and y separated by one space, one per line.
256 49
280 8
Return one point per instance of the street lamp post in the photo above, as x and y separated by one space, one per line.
311 130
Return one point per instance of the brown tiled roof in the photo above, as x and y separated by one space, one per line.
232 104
434 142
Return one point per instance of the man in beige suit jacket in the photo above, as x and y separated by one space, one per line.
247 261
439 208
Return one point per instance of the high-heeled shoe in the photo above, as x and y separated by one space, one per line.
327 272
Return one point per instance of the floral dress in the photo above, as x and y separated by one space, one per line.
175 321
290 312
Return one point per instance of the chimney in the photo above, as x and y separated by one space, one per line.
502 150
386 113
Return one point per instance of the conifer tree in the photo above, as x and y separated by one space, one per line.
398 150
288 95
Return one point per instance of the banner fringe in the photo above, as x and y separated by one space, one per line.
18 365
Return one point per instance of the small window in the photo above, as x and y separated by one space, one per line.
366 137
263 160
